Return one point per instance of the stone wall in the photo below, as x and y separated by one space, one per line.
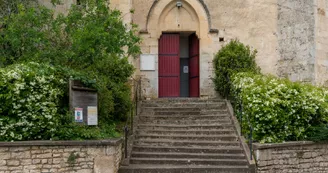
296 37
321 11
253 22
62 7
292 157
60 156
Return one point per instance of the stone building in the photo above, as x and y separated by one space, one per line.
181 37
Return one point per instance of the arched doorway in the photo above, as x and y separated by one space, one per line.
178 65
187 22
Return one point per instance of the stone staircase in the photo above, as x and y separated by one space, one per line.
186 135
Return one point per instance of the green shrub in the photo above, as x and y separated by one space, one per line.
74 131
278 109
34 105
29 97
232 58
318 133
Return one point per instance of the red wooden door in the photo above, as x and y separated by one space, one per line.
193 66
169 65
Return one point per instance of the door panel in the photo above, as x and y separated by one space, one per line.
169 65
194 66
184 77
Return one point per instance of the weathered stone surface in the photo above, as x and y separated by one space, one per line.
295 157
55 159
12 162
21 155
104 164
4 155
296 37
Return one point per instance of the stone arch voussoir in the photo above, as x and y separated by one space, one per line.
195 8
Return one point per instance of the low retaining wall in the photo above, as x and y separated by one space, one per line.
292 157
61 156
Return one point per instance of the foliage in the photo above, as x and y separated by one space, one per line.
112 75
318 133
29 97
80 132
278 109
79 40
71 160
7 7
34 105
232 58
91 44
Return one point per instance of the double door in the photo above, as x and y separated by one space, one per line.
170 71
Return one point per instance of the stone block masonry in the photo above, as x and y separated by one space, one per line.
61 156
292 157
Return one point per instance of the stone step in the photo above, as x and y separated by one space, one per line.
183 169
186 132
185 108
185 105
184 117
186 143
178 113
188 161
149 118
177 109
186 112
168 112
186 127
190 137
217 150
184 100
214 112
187 122
187 155
186 136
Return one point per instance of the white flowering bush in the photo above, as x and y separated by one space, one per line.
278 109
29 96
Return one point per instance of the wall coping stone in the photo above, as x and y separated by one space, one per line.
258 146
106 142
247 151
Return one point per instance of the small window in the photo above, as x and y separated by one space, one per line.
221 39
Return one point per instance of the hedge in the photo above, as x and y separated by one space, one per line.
278 109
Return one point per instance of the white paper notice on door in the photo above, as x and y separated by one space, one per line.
185 69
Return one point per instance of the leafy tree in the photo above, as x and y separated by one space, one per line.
88 34
8 7
91 39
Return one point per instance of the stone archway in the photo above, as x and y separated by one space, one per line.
166 17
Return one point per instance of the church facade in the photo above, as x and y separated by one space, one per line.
181 37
